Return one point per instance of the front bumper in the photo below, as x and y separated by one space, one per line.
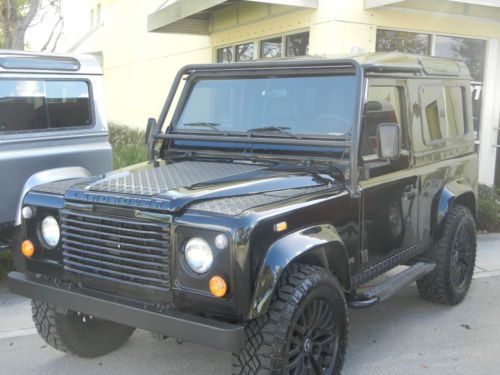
184 326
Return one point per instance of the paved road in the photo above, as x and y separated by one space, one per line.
405 335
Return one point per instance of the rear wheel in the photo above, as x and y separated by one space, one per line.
455 256
76 333
304 330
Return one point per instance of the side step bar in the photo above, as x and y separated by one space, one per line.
392 285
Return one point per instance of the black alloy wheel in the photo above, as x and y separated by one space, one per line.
314 340
462 258
304 330
454 253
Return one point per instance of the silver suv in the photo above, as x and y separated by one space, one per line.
52 125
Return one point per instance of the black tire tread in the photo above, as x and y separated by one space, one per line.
53 326
266 336
436 286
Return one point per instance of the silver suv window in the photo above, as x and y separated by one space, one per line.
38 105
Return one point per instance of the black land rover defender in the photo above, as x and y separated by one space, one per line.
277 190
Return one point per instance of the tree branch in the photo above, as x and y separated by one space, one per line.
51 35
58 37
26 20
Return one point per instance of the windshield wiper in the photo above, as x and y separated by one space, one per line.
201 124
275 129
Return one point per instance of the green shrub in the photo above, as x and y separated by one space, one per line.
6 264
128 146
488 209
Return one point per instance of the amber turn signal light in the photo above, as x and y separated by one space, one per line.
218 286
27 248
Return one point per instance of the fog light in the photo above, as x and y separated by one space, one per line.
27 248
218 286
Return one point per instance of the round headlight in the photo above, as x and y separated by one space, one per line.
50 230
198 255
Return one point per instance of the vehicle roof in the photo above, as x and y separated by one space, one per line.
388 62
12 61
430 66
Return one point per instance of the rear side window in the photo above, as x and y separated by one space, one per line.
38 105
443 112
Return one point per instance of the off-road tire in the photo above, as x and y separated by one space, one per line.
63 330
267 337
438 286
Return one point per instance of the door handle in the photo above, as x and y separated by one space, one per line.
410 192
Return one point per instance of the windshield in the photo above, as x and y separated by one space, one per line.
287 106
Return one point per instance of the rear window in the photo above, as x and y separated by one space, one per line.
444 113
38 105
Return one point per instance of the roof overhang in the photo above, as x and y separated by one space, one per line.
370 4
193 17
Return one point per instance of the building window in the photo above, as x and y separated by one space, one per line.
470 51
473 53
285 45
270 48
297 44
225 55
403 41
244 52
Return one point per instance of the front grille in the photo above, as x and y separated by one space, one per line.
127 250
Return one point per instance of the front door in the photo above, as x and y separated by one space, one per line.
389 187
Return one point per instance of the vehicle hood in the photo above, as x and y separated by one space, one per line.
174 186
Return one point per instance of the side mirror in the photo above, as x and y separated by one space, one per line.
150 127
389 141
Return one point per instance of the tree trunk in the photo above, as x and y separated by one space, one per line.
16 21
18 41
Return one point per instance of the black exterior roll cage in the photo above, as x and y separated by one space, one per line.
286 67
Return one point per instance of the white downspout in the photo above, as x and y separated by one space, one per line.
490 114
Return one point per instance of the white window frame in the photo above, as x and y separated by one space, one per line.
257 44
433 36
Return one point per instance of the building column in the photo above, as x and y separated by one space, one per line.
490 114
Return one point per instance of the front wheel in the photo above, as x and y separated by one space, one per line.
76 333
304 330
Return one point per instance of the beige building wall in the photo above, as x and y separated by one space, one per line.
138 66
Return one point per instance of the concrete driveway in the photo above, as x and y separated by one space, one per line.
405 335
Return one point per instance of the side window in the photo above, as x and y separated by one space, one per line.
383 106
443 110
37 105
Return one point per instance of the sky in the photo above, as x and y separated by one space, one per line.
76 15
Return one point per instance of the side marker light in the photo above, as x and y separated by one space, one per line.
27 248
280 227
